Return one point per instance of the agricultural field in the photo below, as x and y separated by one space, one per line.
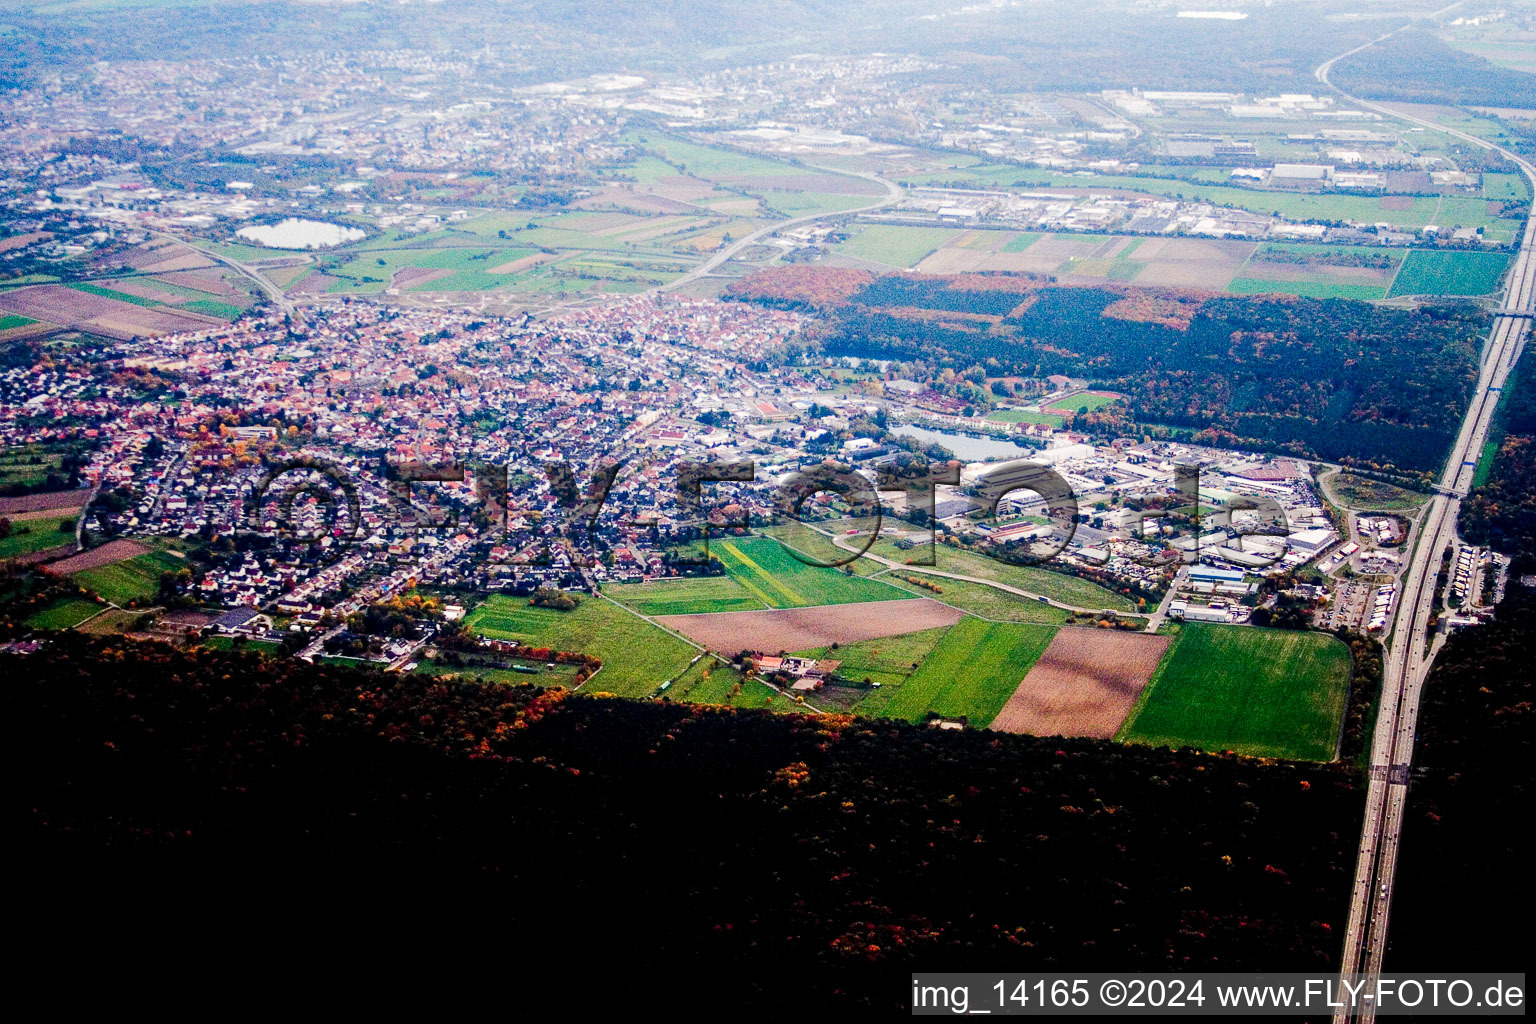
709 682
133 579
887 660
970 673
798 629
65 614
561 675
980 600
1083 685
10 322
894 245
240 643
818 546
780 580
28 465
1054 585
685 596
1450 273
38 532
637 656
1261 692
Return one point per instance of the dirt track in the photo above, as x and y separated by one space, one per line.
1083 685
797 629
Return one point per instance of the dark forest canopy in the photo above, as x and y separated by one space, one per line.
1347 381
761 862
1417 67
1502 512
1465 870
1052 45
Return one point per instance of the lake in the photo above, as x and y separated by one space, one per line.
294 233
965 447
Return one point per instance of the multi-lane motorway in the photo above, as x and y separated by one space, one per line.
1409 650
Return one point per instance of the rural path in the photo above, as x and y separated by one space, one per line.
892 193
842 543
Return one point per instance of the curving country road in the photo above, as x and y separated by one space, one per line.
892 193
1410 652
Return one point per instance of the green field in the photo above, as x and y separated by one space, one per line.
29 535
709 682
1020 416
1309 289
240 643
684 596
780 580
64 614
637 656
1261 692
212 307
1361 492
817 545
895 245
1086 400
1057 586
560 675
981 600
972 672
887 660
10 321
1505 186
109 293
133 579
372 271
1450 273
1023 240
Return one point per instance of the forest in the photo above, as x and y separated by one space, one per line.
1380 389
1417 67
747 861
1464 880
1502 511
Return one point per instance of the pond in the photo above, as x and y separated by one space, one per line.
295 233
965 447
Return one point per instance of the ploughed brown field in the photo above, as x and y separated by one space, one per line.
47 500
796 629
111 551
1083 685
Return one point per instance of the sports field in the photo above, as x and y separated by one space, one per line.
972 672
637 656
780 580
1262 692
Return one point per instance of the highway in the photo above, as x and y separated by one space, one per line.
1409 651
